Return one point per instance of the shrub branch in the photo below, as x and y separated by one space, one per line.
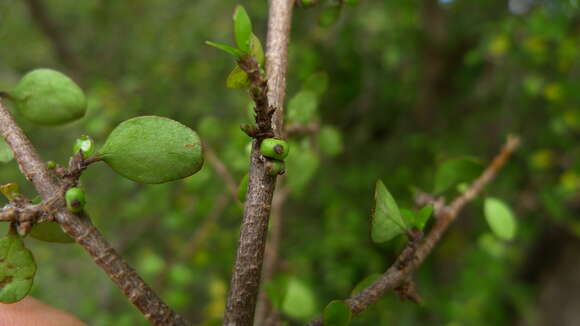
79 227
413 256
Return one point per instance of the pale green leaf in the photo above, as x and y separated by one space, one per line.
500 218
237 53
242 28
330 141
6 154
387 221
256 50
302 108
299 301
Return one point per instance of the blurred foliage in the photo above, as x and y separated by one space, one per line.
399 88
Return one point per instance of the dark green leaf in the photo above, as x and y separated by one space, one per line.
237 53
153 149
50 232
422 216
387 221
17 268
455 171
337 313
242 28
500 218
238 79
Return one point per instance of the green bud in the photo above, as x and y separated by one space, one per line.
274 148
47 97
243 188
275 167
75 199
51 165
85 145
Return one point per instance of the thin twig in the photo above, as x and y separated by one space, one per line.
411 258
245 283
82 230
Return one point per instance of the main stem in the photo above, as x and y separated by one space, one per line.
83 231
245 283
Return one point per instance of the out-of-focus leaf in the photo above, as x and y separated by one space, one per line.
337 313
500 218
330 141
5 152
242 28
300 168
329 16
17 268
238 79
302 107
299 302
455 171
387 221
276 290
422 216
316 83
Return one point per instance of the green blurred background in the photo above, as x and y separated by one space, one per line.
410 84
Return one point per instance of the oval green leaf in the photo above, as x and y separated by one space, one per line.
153 149
47 97
242 28
257 50
17 269
387 221
50 232
330 141
299 301
337 313
500 218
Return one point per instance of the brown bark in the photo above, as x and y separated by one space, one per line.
245 283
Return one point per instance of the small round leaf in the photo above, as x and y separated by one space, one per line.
47 97
500 218
153 149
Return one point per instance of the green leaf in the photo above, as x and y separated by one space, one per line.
337 313
500 218
242 28
306 162
153 149
257 51
17 268
366 282
387 221
330 141
317 83
422 216
50 232
302 107
6 154
455 171
47 97
299 301
237 53
238 79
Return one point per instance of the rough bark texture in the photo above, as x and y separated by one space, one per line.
245 283
411 258
82 230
